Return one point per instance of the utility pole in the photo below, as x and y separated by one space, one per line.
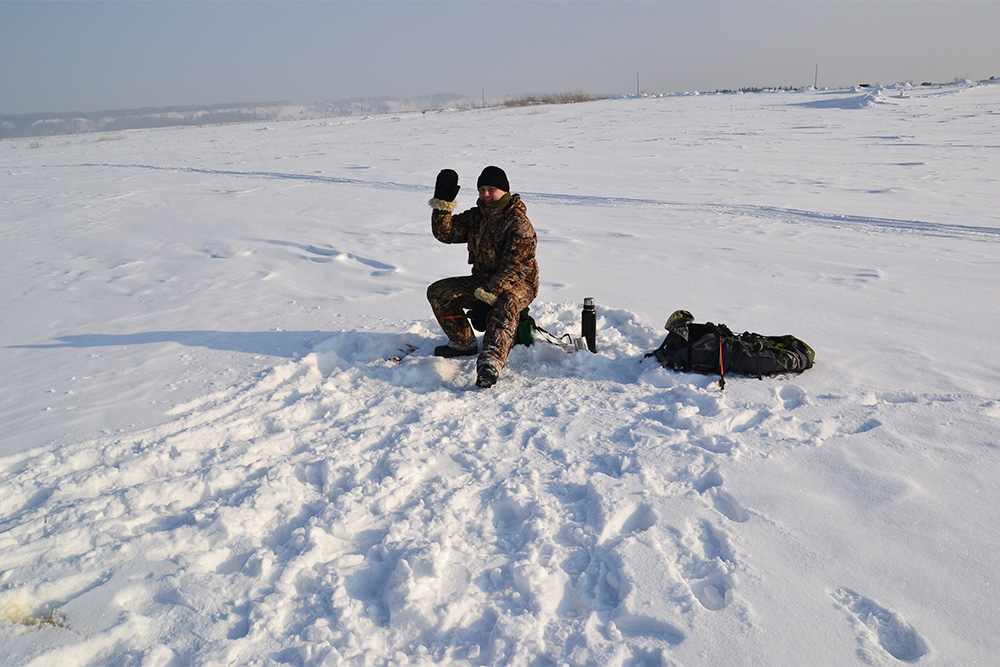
637 84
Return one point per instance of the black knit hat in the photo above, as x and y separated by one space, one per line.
495 177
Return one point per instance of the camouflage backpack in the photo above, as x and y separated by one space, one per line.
715 349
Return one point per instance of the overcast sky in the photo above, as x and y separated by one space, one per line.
92 55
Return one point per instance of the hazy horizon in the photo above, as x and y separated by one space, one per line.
91 56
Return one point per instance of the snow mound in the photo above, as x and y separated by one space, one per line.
862 98
368 490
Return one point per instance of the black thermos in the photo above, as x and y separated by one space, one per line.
590 323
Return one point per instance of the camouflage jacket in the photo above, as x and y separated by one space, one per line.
501 243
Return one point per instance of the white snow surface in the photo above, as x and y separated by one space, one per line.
208 455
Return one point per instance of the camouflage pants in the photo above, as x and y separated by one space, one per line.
451 297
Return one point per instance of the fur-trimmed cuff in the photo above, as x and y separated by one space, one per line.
442 205
488 298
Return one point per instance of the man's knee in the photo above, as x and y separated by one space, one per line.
441 290
510 305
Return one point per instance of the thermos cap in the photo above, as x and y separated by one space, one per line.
588 301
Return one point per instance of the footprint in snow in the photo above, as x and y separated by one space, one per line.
612 465
629 519
727 505
707 481
882 626
710 485
792 397
706 562
714 444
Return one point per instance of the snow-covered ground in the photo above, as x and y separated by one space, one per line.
208 455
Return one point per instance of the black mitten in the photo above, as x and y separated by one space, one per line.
478 314
446 188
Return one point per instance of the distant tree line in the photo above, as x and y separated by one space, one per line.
754 89
570 97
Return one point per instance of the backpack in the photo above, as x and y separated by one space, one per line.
715 349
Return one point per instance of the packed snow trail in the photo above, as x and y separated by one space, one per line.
982 232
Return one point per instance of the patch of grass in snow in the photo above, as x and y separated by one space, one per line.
12 613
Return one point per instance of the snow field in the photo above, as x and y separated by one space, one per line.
212 456
322 500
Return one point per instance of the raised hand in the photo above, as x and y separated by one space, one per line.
446 188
